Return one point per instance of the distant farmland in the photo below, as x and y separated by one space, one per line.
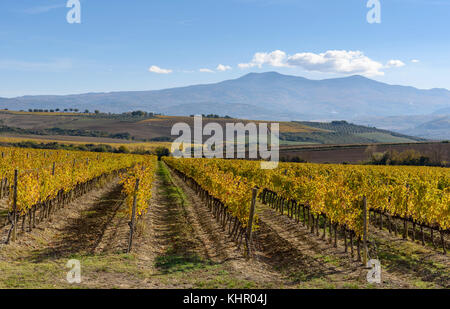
358 153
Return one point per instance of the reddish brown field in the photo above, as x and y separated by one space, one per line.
358 153
160 126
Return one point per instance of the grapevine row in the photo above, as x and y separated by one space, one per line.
145 173
45 180
228 197
421 194
335 192
233 190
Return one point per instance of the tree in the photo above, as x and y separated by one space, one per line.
371 151
86 111
97 112
162 152
123 149
139 113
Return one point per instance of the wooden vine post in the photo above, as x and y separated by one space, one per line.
250 220
364 205
14 231
133 216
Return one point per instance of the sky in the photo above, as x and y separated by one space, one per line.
155 44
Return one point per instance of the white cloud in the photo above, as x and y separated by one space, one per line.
245 65
276 58
223 68
331 61
415 61
337 61
158 70
395 64
206 71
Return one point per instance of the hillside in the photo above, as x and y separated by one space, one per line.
342 132
260 95
158 128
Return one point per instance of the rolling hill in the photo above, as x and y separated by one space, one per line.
158 128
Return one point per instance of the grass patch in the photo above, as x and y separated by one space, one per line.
299 276
171 190
317 283
23 275
407 258
170 263
328 259
52 274
352 286
179 257
89 213
423 285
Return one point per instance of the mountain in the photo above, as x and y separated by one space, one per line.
438 128
433 126
260 95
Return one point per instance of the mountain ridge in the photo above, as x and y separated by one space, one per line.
274 73
276 96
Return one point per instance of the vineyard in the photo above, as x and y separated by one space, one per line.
207 220
331 195
43 181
